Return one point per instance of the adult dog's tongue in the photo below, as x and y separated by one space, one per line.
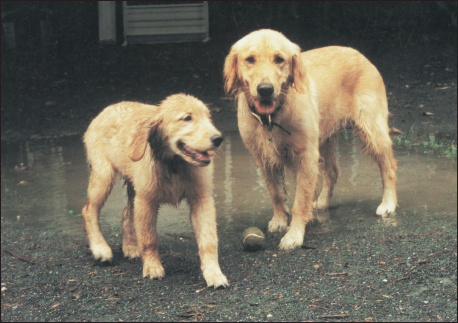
264 107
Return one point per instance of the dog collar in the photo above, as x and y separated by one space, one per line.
266 120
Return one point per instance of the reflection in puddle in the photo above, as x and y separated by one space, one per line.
44 184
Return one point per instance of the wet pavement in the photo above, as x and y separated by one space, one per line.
44 184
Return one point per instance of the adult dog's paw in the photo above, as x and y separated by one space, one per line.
131 251
322 203
277 224
292 239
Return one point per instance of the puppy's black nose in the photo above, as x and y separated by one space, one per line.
265 89
217 140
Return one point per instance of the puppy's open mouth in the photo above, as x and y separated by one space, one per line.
264 106
192 156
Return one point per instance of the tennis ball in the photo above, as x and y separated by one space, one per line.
253 239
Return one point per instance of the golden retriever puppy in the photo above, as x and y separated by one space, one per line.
161 152
290 105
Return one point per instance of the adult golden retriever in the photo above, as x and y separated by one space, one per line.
158 151
290 105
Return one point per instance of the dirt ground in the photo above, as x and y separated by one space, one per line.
374 274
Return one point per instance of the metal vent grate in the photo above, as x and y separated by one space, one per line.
165 23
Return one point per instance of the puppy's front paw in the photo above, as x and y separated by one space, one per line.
102 252
386 208
214 277
153 269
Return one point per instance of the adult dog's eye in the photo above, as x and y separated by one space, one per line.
187 118
278 60
250 59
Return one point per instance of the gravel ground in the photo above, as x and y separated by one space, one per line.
373 274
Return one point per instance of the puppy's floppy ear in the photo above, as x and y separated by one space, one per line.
139 139
230 71
298 70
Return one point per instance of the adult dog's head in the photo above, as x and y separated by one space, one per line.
263 65
182 127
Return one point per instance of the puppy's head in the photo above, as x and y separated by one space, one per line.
184 128
189 129
263 65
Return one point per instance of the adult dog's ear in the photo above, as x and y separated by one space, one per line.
230 71
139 138
298 70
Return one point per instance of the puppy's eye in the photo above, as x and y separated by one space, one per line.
187 118
250 59
278 60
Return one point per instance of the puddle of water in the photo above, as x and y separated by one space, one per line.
50 192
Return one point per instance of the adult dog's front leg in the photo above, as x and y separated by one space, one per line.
276 185
203 220
145 218
306 177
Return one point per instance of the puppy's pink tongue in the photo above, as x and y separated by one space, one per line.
202 157
198 155
264 107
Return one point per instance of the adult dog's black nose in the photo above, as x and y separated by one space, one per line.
265 89
217 140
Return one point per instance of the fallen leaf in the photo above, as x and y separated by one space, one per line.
54 306
201 289
429 114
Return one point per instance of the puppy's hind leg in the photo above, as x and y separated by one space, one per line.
130 246
100 184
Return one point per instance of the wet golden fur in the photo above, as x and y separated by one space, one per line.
142 143
314 93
